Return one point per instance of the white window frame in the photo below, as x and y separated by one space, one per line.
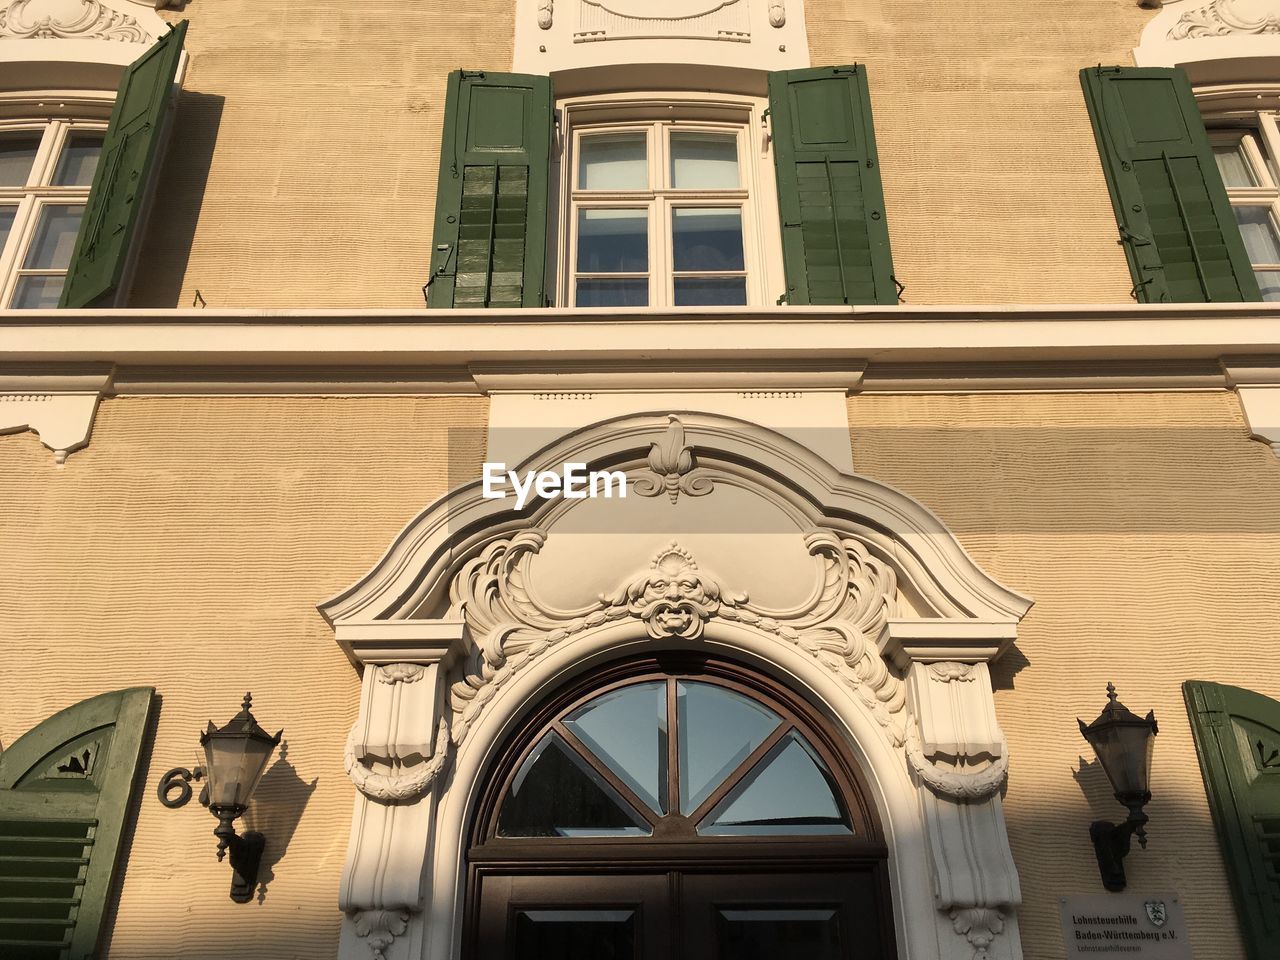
37 194
659 115
1258 133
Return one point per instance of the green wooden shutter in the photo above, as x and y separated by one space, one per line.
64 792
129 155
1237 735
1176 224
835 239
490 239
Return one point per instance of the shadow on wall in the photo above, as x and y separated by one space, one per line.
171 225
275 811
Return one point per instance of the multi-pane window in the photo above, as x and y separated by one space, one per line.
658 215
46 169
1246 159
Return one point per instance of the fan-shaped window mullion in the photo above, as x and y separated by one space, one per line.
604 772
740 772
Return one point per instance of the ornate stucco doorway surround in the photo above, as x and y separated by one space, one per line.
734 541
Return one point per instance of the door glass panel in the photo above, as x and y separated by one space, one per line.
788 792
1259 234
17 153
1233 165
557 794
778 934
79 160
562 934
707 238
614 162
55 238
613 241
718 730
627 730
714 292
704 161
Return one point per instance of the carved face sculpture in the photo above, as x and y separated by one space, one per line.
673 599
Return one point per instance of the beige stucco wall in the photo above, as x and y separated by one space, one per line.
992 184
303 164
1147 529
186 549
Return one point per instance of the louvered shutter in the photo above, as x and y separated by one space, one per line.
1176 224
490 239
125 169
1237 734
64 792
835 239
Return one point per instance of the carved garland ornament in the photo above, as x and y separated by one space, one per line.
380 927
950 782
397 786
28 20
675 599
979 925
1220 19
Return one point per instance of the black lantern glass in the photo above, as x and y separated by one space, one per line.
1124 744
236 756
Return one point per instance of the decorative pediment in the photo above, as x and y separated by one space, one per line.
1216 41
1221 18
74 20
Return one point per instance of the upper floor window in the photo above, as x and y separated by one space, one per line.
1246 159
662 213
46 169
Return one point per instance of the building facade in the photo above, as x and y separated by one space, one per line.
898 376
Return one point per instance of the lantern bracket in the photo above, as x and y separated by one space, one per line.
1111 843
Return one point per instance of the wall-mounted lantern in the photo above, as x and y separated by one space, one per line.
235 756
1123 742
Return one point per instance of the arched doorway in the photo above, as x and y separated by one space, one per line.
676 807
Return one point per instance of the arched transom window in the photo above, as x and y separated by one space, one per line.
673 806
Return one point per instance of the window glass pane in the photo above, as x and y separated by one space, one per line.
718 730
557 794
704 161
562 934
788 792
779 934
702 292
627 730
79 160
1259 234
614 162
612 293
1268 283
55 238
613 241
17 153
6 224
707 238
37 293
1233 165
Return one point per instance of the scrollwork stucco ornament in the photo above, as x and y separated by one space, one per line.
44 20
379 928
673 598
394 787
980 926
672 462
1222 18
546 11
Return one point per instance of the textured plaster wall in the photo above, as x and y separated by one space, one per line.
303 165
993 188
1147 529
186 549
302 168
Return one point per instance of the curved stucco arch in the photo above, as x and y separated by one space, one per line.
467 621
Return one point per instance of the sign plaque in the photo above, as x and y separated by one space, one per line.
1124 926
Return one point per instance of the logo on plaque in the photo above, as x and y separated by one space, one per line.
1156 912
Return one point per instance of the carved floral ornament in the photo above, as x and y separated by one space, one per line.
69 20
1221 18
